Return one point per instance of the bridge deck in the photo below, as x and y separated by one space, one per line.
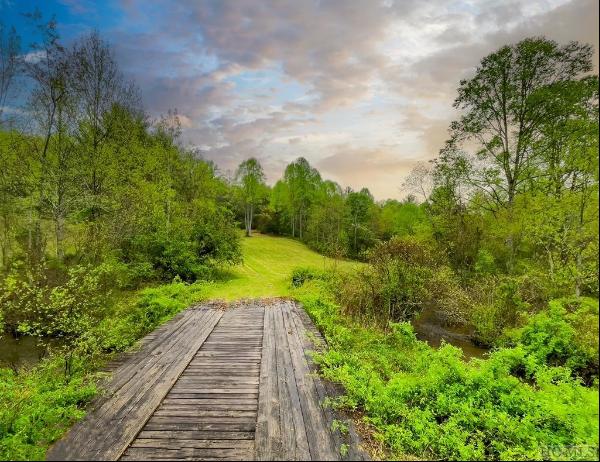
213 384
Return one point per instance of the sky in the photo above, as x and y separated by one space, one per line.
363 89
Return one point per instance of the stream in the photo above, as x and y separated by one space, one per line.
429 327
20 352
26 352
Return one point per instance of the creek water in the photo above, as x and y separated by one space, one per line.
430 327
26 352
21 352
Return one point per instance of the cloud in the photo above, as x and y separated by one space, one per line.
381 169
331 47
34 57
362 88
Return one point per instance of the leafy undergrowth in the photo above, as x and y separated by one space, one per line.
37 406
430 404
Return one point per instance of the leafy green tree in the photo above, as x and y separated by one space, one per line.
403 219
99 86
504 112
47 102
301 182
251 181
360 207
326 221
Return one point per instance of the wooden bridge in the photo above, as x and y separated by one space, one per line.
216 384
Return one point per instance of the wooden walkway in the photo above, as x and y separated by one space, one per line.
214 384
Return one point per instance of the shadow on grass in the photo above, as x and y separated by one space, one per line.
224 275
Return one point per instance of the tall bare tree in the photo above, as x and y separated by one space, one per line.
49 71
10 46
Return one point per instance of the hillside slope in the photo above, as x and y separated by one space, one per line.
268 263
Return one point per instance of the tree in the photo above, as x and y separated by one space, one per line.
325 228
419 181
48 104
10 45
99 87
360 205
10 184
503 113
301 182
251 181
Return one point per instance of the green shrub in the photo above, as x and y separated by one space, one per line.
447 297
500 303
430 404
36 407
302 275
395 286
485 262
66 309
566 334
188 248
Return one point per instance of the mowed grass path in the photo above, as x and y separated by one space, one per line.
268 264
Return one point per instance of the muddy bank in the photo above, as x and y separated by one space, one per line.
430 326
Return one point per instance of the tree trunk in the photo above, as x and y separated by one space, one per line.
578 277
60 236
250 220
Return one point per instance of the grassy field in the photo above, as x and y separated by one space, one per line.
268 263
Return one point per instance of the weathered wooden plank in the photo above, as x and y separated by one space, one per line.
295 444
109 428
222 372
317 431
202 426
268 433
209 401
210 390
232 395
197 435
210 407
176 443
199 380
205 413
214 399
196 419
186 453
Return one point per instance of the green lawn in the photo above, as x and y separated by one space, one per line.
268 263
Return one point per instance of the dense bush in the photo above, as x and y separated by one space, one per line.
190 248
302 275
37 302
430 404
395 285
566 334
37 407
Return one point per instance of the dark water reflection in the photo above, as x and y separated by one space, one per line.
21 352
430 327
26 352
